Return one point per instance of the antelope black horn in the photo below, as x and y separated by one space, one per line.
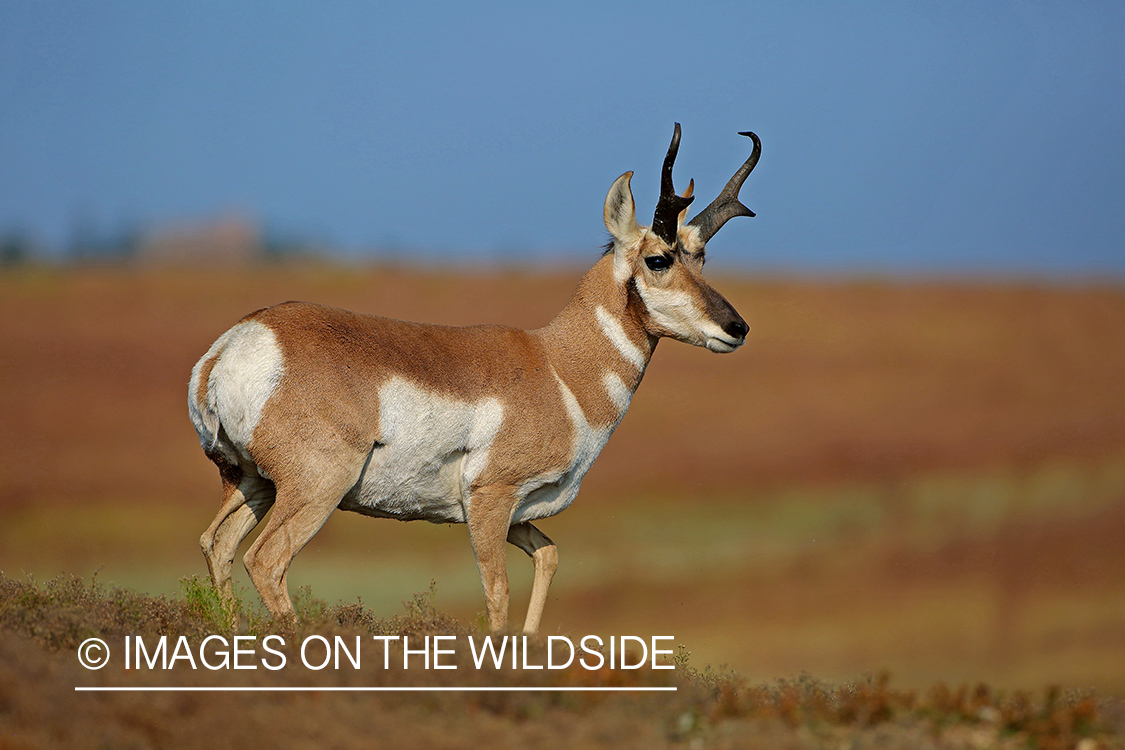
670 205
711 219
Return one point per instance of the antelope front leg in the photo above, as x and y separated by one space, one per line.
490 512
545 557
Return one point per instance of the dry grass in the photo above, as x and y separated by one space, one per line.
41 628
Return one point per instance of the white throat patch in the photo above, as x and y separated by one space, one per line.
614 331
619 393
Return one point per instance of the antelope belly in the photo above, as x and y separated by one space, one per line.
394 485
430 446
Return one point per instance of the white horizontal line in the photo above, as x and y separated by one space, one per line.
365 689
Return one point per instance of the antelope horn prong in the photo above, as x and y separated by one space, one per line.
726 206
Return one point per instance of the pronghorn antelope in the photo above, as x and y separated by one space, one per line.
306 408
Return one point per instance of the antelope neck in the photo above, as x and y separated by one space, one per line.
596 345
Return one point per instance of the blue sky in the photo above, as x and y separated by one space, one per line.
897 137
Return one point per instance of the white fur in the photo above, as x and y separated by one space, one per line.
432 449
671 309
249 366
588 440
720 343
622 269
619 393
614 331
675 311
552 493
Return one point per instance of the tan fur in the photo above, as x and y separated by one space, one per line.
555 395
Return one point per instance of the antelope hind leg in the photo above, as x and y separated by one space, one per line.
545 557
242 510
298 513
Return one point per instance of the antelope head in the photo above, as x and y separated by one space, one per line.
663 263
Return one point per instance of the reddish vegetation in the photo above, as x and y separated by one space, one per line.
877 385
41 628
837 381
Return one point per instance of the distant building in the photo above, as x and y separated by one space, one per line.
229 240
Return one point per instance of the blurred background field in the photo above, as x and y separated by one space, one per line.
921 476
916 464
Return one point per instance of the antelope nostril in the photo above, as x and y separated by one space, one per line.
737 328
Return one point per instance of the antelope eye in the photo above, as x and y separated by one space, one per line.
658 262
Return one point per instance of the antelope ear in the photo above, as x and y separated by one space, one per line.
620 212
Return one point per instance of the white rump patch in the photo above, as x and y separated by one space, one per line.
615 332
249 366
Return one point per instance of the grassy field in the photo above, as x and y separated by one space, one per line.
921 477
42 628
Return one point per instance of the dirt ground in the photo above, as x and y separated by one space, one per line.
47 700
